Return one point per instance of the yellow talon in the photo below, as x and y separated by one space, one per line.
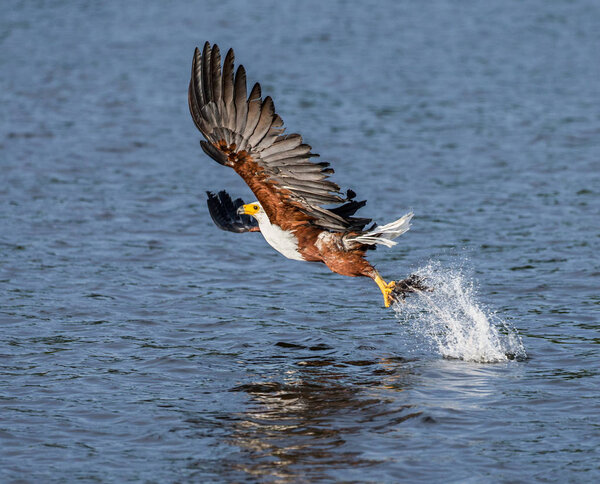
386 289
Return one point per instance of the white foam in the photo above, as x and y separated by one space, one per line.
451 318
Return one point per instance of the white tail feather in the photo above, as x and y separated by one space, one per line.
385 234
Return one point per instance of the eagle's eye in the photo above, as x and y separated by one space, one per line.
255 207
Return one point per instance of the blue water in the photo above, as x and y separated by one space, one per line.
141 343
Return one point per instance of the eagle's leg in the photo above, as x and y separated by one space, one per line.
387 289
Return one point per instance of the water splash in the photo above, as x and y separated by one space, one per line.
451 318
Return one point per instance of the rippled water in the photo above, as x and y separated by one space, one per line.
141 343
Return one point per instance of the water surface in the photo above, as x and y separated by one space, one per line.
140 343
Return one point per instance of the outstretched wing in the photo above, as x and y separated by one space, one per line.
244 132
224 213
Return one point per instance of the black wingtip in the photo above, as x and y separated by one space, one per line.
223 211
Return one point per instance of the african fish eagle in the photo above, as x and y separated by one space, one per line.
245 133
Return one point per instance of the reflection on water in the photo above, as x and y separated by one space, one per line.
313 419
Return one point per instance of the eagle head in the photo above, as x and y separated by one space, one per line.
253 209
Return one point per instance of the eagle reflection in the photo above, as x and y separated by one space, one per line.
313 421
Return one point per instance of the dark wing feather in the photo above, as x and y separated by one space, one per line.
254 109
241 105
215 66
206 74
224 213
264 122
214 153
244 132
228 97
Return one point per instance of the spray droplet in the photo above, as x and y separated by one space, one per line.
451 318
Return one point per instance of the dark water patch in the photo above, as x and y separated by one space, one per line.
283 344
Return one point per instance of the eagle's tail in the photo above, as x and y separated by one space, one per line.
385 234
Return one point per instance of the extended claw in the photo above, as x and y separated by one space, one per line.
387 289
395 291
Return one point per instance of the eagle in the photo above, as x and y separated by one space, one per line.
293 192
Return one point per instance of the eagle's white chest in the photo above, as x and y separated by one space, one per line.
283 242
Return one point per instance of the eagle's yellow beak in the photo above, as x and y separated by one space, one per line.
249 209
